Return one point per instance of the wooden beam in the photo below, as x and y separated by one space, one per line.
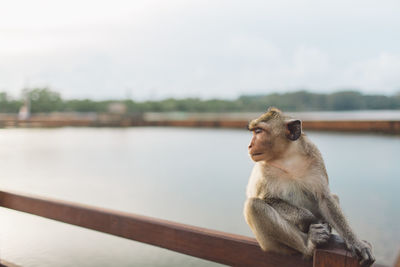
225 248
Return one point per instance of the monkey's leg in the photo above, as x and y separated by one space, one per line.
300 217
332 212
271 229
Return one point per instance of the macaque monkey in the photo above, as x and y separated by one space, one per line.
289 206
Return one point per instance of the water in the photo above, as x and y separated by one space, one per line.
192 176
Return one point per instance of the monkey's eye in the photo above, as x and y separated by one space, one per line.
258 130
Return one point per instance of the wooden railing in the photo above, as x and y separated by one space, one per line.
220 247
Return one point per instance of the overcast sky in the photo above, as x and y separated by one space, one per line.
168 48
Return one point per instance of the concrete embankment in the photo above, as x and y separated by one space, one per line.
390 126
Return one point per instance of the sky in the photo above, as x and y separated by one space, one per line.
154 49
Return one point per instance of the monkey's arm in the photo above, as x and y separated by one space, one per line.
298 216
332 213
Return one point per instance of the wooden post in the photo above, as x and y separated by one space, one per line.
335 254
397 262
333 258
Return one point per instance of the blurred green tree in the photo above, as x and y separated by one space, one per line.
44 100
9 105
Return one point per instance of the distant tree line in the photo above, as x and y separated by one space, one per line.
46 100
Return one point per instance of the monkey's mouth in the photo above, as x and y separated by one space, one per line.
256 154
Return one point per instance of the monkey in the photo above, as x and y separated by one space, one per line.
289 206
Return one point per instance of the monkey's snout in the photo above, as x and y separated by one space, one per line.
250 145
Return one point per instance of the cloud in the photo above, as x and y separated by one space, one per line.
199 48
377 74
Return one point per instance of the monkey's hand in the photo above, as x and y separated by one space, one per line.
363 251
319 233
304 219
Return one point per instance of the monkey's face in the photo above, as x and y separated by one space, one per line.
262 146
272 134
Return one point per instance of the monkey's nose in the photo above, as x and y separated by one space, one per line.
251 143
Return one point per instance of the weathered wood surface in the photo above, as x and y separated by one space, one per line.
230 249
334 254
225 248
335 257
397 262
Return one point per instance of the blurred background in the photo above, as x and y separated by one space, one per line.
141 106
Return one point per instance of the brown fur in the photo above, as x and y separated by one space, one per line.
289 206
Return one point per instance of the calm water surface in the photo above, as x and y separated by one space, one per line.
193 176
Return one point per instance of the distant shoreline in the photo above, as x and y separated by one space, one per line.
359 121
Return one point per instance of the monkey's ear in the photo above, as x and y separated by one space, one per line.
293 129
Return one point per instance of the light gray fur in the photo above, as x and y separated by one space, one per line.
293 211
